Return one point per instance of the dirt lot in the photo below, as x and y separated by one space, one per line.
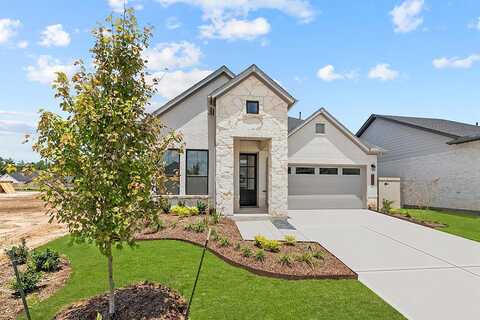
22 215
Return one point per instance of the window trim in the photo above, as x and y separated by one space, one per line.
187 175
253 101
308 174
179 169
359 172
328 174
324 128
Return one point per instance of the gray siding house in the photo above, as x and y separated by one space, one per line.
243 154
437 160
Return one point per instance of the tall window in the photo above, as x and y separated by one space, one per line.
172 169
252 106
197 172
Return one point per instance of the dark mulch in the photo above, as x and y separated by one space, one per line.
330 267
430 224
141 301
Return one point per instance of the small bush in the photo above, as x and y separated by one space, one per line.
165 205
197 227
260 255
158 225
216 216
18 253
319 255
48 260
306 257
266 244
29 281
247 252
224 242
290 240
285 260
183 211
202 207
387 205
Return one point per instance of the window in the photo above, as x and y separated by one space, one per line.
252 106
328 171
320 128
300 170
197 172
172 169
351 171
289 170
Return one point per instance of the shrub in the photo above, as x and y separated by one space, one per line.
247 252
28 281
260 255
183 211
386 206
223 242
306 257
319 255
18 253
48 260
202 207
216 216
165 205
290 240
197 227
266 244
285 260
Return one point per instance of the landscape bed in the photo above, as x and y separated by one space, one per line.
297 260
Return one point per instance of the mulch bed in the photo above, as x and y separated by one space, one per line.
430 224
330 267
141 301
11 305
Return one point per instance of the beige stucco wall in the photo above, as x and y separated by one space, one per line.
332 148
233 123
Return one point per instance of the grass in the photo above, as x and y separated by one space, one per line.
223 291
460 224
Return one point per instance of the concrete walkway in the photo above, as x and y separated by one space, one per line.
423 273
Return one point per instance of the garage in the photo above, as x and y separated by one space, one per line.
326 187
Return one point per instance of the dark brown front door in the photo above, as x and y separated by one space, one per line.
248 180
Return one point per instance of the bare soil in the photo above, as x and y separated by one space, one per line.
330 267
11 305
141 301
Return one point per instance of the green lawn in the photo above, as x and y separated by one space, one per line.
224 292
460 224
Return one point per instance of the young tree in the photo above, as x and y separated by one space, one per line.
106 156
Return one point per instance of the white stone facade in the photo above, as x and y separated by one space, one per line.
269 126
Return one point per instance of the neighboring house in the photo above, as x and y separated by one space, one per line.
242 152
17 178
437 160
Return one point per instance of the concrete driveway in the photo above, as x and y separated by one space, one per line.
423 273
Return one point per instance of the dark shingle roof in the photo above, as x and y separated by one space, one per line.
293 123
460 132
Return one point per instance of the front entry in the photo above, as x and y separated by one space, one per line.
248 180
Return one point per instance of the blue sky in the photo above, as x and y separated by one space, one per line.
413 57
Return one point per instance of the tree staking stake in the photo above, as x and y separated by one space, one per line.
198 273
20 287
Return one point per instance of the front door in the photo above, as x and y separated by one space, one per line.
248 180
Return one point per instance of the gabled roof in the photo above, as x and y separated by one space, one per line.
293 123
185 94
367 148
458 131
262 76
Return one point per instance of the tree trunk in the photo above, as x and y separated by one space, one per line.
111 298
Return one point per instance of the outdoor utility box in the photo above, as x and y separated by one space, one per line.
389 188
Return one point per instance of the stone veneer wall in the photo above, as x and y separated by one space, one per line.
232 122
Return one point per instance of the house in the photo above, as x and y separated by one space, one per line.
242 153
437 160
17 178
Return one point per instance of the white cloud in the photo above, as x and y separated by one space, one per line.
172 55
300 9
172 23
45 69
475 24
382 72
8 29
22 44
235 29
327 73
173 83
455 62
407 17
117 5
54 35
14 126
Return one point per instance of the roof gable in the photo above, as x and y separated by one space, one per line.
193 89
369 149
262 76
